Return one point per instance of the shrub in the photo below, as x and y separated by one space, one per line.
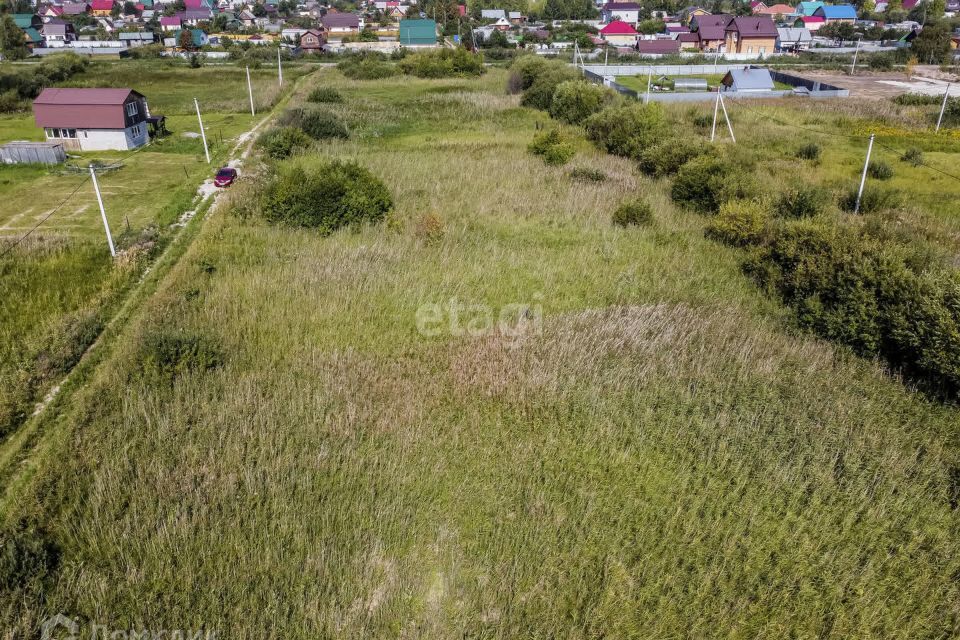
430 228
540 94
576 100
666 157
524 71
707 182
874 199
879 170
587 174
28 557
703 120
913 156
334 195
442 63
552 146
322 125
367 67
626 130
169 353
916 99
802 202
739 223
282 142
633 212
809 151
881 62
325 94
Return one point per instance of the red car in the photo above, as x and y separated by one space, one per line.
225 177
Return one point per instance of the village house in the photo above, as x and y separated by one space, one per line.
101 8
837 13
628 12
337 26
311 41
57 33
418 32
619 34
793 39
687 15
658 47
774 10
811 23
747 80
751 34
808 7
711 31
93 119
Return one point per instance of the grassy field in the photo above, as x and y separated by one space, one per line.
646 450
639 83
59 282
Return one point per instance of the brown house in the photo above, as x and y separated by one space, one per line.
751 34
710 30
93 119
312 40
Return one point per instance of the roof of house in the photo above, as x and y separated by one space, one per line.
837 12
102 5
753 27
492 14
775 10
170 21
711 27
33 35
688 37
197 14
75 8
807 7
621 6
340 20
618 28
82 108
514 15
82 96
811 19
748 79
658 46
25 20
56 28
909 4
418 32
794 34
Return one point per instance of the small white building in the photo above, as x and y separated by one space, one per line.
93 119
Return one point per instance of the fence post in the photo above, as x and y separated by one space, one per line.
863 177
943 106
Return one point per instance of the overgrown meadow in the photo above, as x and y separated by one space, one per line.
495 413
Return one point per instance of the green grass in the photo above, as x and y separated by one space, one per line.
659 456
639 83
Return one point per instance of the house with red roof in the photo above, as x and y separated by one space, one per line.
773 10
170 23
711 30
101 8
93 119
812 23
658 47
751 34
619 34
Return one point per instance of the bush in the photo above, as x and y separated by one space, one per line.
429 228
576 100
282 142
666 157
802 202
524 71
28 557
707 182
540 93
334 195
879 170
552 146
587 174
627 129
322 125
367 67
169 353
874 199
913 156
739 223
442 63
809 151
916 100
325 94
881 62
633 212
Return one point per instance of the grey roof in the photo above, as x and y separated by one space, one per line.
515 15
492 14
792 34
140 35
748 80
340 20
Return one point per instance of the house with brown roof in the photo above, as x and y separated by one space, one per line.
336 26
751 34
93 119
711 30
312 40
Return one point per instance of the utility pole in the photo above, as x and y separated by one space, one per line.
103 214
606 54
716 110
253 111
855 52
726 117
943 106
279 68
203 134
863 177
716 58
646 98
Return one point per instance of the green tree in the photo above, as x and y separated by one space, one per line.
932 46
12 44
185 40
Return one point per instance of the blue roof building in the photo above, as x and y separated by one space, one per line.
837 12
807 8
750 79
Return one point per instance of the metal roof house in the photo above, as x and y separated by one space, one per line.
747 80
807 8
837 12
418 32
793 39
93 119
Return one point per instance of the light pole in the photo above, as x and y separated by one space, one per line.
855 52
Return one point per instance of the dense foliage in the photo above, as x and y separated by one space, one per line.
553 147
442 63
19 84
707 182
576 100
367 67
633 213
626 129
325 94
739 223
666 157
282 142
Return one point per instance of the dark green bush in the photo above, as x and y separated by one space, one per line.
282 142
555 148
325 94
626 130
28 557
169 353
881 62
802 202
524 70
739 223
666 157
913 156
442 63
576 100
587 174
540 94
809 151
916 99
874 199
634 212
707 182
879 170
316 123
367 67
333 195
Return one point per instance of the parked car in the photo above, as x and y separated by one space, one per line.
225 177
